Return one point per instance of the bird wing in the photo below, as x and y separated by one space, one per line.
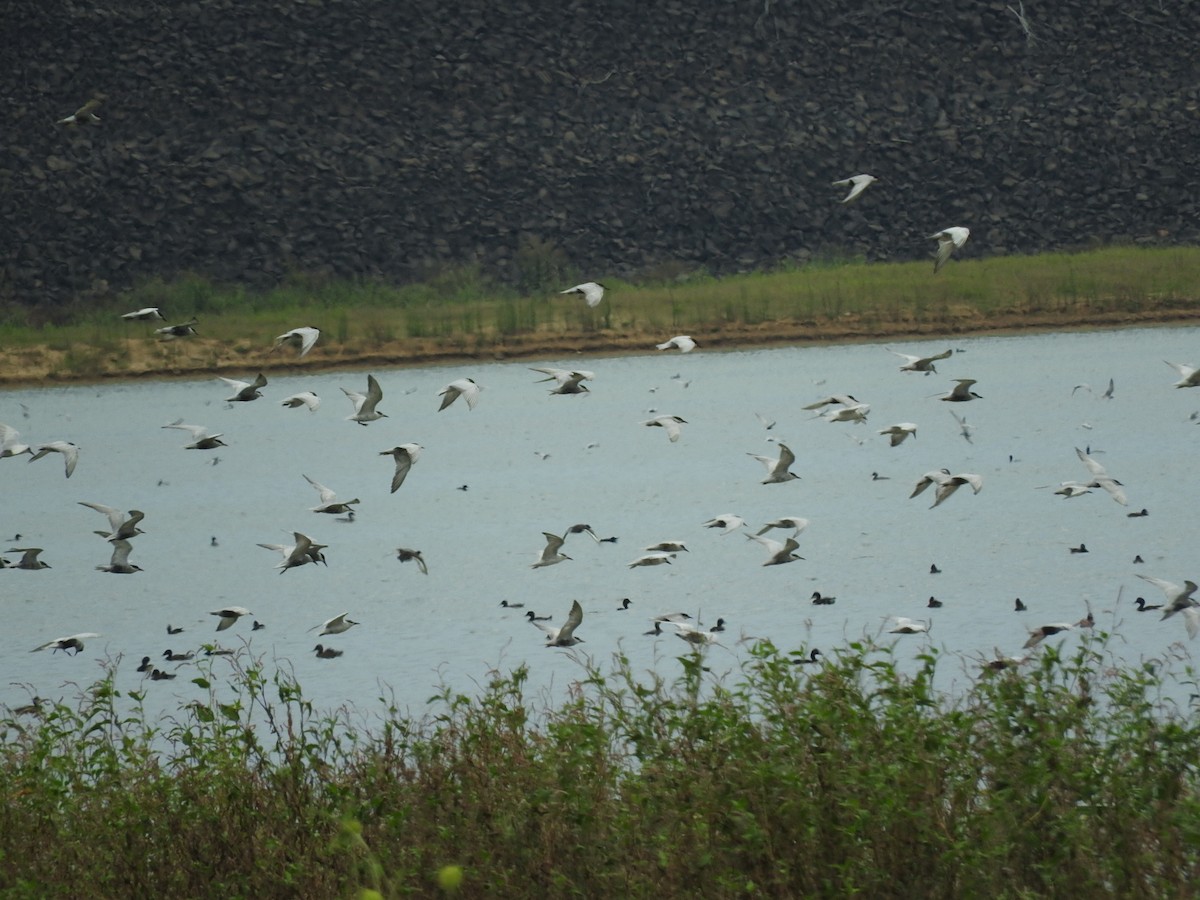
116 518
574 617
786 457
404 461
327 496
120 554
554 543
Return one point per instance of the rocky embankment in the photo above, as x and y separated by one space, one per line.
253 140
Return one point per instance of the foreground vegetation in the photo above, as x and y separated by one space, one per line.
1060 778
459 312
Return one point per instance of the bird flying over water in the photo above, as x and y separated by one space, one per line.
304 398
920 363
462 387
364 404
404 455
201 439
670 423
777 469
550 553
564 636
329 501
244 391
897 433
68 450
961 392
946 483
74 642
229 615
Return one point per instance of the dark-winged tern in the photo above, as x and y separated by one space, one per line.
120 525
550 553
303 552
961 392
329 501
182 330
920 363
244 391
120 564
74 642
946 483
778 553
405 555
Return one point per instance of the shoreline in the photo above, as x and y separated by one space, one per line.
40 365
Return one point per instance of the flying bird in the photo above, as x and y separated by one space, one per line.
794 522
920 363
564 636
461 387
405 555
120 564
778 553
121 526
68 450
336 625
244 391
550 553
1101 478
182 330
949 240
303 552
961 392
897 433
857 184
666 547
329 501
1188 377
1179 599
364 404
946 483
10 443
301 339
228 615
681 342
404 455
201 439
653 558
778 468
304 398
902 625
963 428
670 423
148 314
1037 635
85 113
839 399
591 291
29 559
726 521
74 642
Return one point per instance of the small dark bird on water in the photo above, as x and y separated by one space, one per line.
625 604
1082 548
934 570
1019 606
1137 515
1143 606
1138 559
934 603
173 630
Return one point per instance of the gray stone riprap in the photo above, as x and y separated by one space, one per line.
249 141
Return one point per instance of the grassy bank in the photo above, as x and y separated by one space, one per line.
1061 778
459 313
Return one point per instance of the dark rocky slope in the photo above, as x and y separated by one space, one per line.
248 140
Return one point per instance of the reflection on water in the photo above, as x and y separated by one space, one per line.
490 481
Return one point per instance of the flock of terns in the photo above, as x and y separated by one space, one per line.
123 527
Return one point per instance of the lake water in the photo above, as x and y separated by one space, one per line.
531 462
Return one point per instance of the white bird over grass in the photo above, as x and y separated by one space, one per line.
329 501
74 642
201 439
857 184
949 240
120 564
726 521
244 391
946 483
670 423
920 363
404 455
229 615
563 636
147 314
182 330
301 339
68 450
550 553
304 398
303 552
778 468
898 432
10 442
681 342
461 387
364 404
121 526
85 113
591 291
1101 478
336 625
1188 377
796 523
778 553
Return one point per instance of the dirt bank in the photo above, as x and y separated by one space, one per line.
200 357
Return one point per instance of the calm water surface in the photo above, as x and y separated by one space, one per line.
531 462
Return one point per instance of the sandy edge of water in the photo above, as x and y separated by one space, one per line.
142 357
